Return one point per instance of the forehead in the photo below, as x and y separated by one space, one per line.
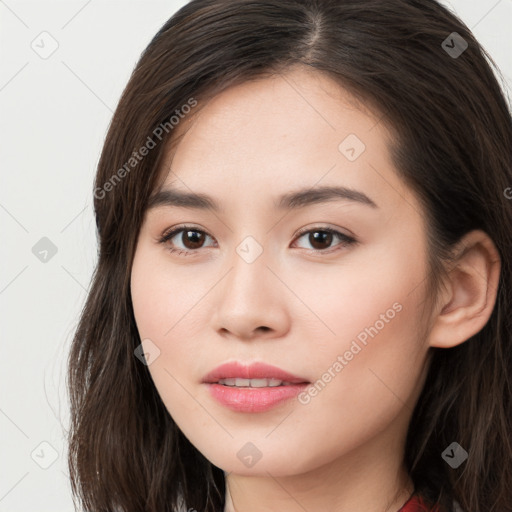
271 135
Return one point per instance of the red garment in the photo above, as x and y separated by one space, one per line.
416 504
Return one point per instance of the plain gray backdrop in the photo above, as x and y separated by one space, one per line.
63 68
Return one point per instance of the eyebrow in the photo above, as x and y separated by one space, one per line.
291 200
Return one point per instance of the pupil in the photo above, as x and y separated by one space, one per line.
320 235
198 236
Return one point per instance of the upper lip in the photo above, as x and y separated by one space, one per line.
252 371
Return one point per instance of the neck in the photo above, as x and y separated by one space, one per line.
333 488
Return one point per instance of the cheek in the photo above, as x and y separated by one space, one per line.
169 310
372 295
160 304
162 295
148 299
371 357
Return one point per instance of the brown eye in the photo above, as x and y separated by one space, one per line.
188 240
192 239
320 239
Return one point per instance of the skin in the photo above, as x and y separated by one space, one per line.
344 449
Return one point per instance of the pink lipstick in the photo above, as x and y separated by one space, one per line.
252 388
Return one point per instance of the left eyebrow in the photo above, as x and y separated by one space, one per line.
291 200
309 196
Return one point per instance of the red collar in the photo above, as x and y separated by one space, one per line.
416 504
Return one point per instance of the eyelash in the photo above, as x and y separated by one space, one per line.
345 239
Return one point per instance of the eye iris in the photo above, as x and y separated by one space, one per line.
195 235
322 236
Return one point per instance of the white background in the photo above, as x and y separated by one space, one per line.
54 116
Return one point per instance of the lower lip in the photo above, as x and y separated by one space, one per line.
254 399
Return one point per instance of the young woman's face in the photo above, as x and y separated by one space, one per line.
260 280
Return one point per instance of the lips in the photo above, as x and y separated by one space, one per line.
253 388
236 370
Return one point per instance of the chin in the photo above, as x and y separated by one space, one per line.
277 464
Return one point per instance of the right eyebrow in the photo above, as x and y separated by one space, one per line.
173 197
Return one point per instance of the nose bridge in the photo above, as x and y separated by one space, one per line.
248 298
251 249
249 268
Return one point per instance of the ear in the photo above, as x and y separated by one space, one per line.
469 295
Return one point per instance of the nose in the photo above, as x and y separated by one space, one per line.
251 301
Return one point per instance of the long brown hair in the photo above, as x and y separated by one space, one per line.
453 140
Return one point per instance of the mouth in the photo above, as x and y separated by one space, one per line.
252 388
255 375
253 383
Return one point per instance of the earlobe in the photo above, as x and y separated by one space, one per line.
470 293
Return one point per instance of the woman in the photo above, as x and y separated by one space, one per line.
228 361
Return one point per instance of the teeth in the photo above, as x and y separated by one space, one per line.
253 383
